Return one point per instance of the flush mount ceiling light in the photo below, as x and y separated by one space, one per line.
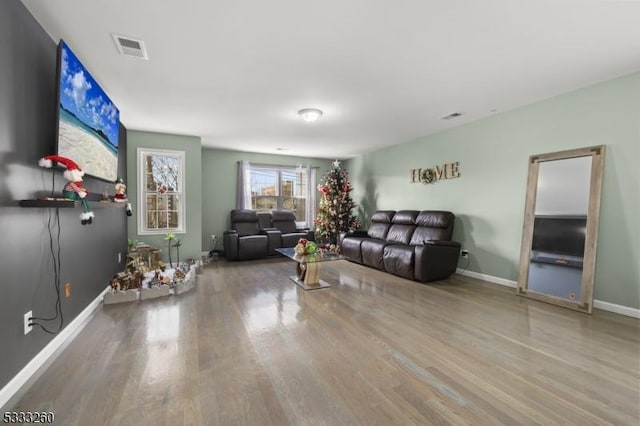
310 114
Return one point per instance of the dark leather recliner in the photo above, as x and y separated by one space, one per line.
285 222
282 229
412 244
245 240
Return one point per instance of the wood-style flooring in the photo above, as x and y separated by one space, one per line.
249 347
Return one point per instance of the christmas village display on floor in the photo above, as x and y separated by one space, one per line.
147 277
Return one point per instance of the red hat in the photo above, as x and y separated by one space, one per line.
70 165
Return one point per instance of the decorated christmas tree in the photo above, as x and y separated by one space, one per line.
336 205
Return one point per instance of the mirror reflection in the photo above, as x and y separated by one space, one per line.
559 229
557 261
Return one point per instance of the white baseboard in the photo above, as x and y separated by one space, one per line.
490 278
618 309
599 304
65 336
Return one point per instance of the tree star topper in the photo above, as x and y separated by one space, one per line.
336 164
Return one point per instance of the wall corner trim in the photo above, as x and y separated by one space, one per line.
49 352
598 304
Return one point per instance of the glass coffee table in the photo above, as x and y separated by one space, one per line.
308 267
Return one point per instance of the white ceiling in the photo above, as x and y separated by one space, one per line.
235 72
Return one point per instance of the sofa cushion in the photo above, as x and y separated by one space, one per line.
402 228
380 222
253 247
400 234
372 251
435 219
379 230
245 222
433 225
399 260
405 217
264 220
284 221
246 228
383 216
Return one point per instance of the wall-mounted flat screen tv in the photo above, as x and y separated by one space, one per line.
88 121
560 235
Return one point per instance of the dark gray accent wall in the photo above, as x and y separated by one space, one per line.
27 132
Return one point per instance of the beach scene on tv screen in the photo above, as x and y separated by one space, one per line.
88 120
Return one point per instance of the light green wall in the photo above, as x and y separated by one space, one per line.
191 145
219 178
488 198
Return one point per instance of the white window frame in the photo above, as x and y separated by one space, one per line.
308 222
142 153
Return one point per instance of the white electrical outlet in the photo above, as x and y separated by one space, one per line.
27 322
119 257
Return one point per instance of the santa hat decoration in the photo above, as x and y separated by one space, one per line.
73 172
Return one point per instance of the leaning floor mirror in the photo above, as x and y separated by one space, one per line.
560 229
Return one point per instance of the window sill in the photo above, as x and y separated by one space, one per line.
163 232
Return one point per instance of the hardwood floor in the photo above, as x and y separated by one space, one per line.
248 347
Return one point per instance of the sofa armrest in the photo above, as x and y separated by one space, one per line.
443 243
310 234
436 260
360 233
275 239
230 244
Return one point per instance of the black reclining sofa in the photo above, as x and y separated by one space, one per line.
409 243
256 235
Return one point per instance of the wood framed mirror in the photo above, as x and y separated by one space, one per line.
560 229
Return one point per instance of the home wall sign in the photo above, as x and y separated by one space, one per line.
436 173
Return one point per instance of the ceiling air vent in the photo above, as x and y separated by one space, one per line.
130 46
451 116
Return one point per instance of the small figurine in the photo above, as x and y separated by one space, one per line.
73 190
155 281
179 275
121 195
121 191
137 280
115 284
